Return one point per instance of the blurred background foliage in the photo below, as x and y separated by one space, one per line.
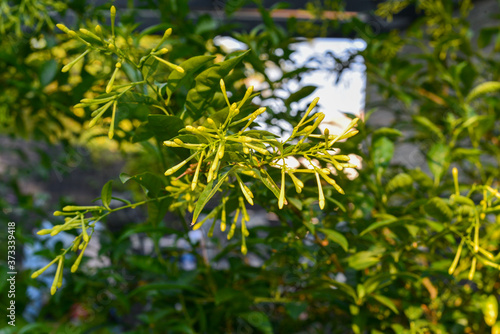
424 115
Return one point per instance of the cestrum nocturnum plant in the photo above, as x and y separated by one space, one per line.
225 149
99 43
227 158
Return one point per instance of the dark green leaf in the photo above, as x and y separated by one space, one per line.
300 94
163 127
336 237
176 79
208 83
106 194
208 193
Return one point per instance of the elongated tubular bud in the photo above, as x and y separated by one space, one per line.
349 165
344 133
311 106
112 12
321 195
169 64
318 121
40 271
89 33
246 191
197 172
84 229
494 192
242 139
76 243
101 110
258 149
336 164
174 169
98 101
109 86
244 211
63 27
330 180
171 143
112 125
296 182
75 266
245 98
281 199
60 278
348 134
200 224
341 157
476 234
98 30
472 269
211 122
483 251
233 225
166 35
212 227
456 259
454 172
246 150
220 153
490 264
44 232
223 215
53 289
224 92
81 208
75 35
67 67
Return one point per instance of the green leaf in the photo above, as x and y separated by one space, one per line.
428 125
294 310
149 67
399 181
437 208
481 89
336 237
48 72
208 83
485 36
258 320
378 225
337 203
106 194
300 94
437 159
345 288
208 193
386 302
365 259
163 127
390 133
227 294
269 183
382 152
152 184
176 79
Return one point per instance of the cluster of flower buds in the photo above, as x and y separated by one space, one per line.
96 41
223 148
473 216
74 220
